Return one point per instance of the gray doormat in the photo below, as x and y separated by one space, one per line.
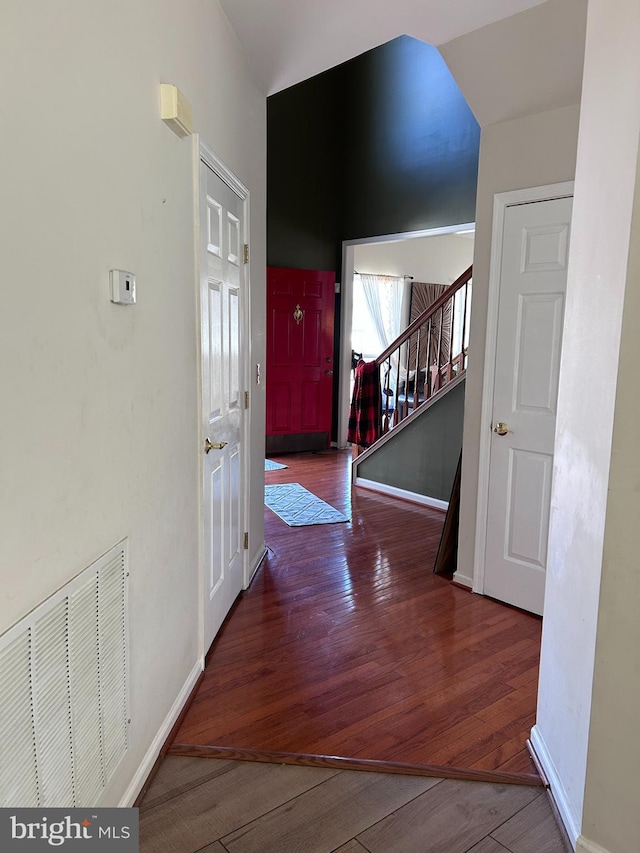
298 507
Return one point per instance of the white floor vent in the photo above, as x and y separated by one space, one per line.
64 691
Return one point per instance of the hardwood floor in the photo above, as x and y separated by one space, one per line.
197 804
347 645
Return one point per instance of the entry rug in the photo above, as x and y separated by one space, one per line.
299 507
270 465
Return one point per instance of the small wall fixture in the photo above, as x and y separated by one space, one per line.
175 110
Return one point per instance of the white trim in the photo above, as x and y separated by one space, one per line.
411 235
346 317
346 308
222 170
500 203
203 153
463 580
556 788
151 756
584 845
404 494
255 563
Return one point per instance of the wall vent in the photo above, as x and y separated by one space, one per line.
64 691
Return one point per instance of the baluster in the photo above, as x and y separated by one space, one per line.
387 388
416 401
438 362
406 384
464 325
452 326
427 367
397 409
383 406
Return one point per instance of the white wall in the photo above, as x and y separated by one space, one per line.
99 426
611 814
528 152
592 595
528 63
436 260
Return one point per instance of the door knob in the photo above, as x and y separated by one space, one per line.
328 373
501 428
217 446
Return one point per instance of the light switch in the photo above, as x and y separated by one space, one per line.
122 287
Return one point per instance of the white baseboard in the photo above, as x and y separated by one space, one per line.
463 580
586 846
153 752
403 494
556 788
255 563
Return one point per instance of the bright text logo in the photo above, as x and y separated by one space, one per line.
105 830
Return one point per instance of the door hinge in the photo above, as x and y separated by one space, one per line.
245 253
246 541
246 399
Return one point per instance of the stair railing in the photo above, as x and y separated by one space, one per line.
430 352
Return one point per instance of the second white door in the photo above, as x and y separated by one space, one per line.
533 278
221 310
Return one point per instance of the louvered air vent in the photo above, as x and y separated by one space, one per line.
64 691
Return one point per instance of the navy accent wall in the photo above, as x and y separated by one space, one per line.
411 145
382 144
304 175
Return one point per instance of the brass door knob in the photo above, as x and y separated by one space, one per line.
501 428
217 446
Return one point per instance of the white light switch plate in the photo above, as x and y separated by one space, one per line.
122 285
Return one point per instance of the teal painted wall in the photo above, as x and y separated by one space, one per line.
422 457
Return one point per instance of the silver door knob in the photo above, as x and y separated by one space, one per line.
218 445
501 428
328 373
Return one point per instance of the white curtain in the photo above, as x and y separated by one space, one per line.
384 295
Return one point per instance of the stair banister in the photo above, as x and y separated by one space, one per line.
437 373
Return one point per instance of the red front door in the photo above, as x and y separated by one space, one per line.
299 358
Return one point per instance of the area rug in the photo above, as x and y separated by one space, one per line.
298 507
270 465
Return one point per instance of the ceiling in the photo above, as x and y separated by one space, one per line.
287 41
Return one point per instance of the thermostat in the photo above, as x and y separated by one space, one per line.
122 286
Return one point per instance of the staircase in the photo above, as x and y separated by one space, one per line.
417 371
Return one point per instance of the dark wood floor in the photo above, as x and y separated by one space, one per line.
347 645
197 805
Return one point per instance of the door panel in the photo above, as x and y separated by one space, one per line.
311 416
529 492
221 295
538 342
299 356
530 317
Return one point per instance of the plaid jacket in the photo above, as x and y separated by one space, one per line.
364 416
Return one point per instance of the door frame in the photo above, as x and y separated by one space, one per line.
346 310
202 152
501 201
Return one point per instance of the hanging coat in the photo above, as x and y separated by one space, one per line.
364 416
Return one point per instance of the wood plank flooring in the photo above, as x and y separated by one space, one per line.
198 804
347 645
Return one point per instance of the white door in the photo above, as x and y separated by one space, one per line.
530 317
221 311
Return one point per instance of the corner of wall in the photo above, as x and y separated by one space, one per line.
151 755
558 792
